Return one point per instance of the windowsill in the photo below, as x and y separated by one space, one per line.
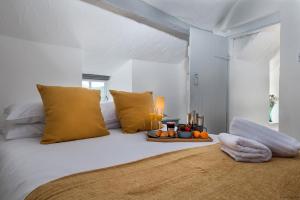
273 125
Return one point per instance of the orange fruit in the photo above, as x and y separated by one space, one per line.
164 134
197 134
171 133
158 133
204 135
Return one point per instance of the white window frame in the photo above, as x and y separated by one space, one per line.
104 94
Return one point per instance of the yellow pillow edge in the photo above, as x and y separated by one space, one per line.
116 92
60 141
125 128
125 92
45 140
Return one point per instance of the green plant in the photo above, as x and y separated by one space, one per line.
273 99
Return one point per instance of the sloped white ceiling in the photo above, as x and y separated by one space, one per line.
260 46
203 14
106 38
246 11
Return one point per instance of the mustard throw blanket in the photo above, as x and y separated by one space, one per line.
199 173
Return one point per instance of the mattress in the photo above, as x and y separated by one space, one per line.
25 164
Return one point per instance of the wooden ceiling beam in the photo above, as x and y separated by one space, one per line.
144 13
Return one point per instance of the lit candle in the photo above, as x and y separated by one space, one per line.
160 105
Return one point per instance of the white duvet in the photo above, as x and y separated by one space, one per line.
25 164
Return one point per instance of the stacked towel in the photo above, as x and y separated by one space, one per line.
280 144
243 149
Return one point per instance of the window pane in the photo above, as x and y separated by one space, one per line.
97 85
85 84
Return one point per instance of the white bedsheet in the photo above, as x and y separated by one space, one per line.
25 164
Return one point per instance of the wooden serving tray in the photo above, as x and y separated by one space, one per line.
209 139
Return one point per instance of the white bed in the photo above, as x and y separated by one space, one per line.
25 164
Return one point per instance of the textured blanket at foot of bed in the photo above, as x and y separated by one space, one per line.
198 173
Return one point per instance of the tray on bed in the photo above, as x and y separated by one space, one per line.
209 139
151 136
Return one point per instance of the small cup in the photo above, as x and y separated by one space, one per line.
171 126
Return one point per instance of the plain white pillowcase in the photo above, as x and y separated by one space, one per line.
17 131
27 120
109 114
28 113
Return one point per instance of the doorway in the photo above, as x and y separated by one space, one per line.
254 71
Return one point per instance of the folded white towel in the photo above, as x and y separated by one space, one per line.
243 149
280 144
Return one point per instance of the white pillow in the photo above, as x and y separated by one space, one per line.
24 113
18 131
109 114
113 125
32 113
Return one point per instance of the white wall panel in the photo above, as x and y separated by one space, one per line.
209 96
289 92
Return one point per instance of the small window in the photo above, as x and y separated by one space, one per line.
85 84
96 82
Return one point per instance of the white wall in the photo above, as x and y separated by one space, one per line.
289 110
249 90
23 64
168 80
121 79
275 74
209 97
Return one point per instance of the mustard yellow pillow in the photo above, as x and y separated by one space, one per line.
71 113
133 110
